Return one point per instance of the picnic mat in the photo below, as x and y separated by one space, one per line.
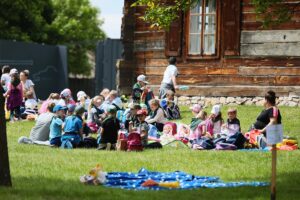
134 181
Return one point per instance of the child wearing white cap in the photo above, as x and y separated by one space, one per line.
137 89
216 121
83 99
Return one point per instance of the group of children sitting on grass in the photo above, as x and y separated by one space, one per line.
103 122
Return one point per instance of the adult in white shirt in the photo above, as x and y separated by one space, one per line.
169 79
5 77
27 84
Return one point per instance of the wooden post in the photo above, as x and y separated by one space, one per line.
5 179
273 179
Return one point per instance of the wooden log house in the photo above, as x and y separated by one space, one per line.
228 55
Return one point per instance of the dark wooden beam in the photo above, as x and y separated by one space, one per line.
5 179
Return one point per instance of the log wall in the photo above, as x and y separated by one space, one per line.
269 59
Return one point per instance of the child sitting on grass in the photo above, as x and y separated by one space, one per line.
56 125
232 125
73 129
53 97
141 127
31 106
201 129
131 116
83 100
71 109
137 89
109 130
196 109
157 115
215 122
66 98
115 100
168 104
93 119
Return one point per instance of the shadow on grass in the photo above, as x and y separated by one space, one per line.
45 188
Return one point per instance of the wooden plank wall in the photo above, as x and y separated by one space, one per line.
281 40
250 21
227 75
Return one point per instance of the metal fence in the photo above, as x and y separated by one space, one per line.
47 64
107 54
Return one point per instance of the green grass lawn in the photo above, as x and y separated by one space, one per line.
48 173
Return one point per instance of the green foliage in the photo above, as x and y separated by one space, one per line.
73 23
52 173
161 15
272 12
77 26
25 20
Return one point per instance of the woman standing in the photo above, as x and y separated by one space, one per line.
27 84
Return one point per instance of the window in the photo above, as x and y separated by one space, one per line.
202 29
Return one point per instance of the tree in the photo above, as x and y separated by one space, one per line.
76 25
73 23
5 179
160 13
25 20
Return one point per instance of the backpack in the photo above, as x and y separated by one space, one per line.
122 141
173 112
134 142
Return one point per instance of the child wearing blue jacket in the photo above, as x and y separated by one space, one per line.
73 129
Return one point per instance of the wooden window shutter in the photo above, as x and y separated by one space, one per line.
174 38
231 28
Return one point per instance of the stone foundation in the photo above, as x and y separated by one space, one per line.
292 101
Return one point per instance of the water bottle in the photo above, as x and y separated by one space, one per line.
184 87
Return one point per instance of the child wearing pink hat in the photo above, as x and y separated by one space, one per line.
196 108
66 98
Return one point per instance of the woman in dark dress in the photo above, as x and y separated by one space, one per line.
270 115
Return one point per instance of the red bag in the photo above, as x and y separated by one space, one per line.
122 142
252 136
134 142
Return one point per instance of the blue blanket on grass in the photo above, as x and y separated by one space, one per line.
134 181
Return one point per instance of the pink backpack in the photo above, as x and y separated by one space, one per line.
134 142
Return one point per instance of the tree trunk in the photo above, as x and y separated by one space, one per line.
5 179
